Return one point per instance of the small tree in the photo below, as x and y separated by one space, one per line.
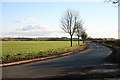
79 30
84 36
69 22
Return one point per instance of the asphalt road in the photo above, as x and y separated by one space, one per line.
89 63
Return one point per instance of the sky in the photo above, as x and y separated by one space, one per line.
42 19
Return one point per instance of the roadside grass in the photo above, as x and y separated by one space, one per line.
21 50
115 45
117 55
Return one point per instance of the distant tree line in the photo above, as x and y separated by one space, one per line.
115 42
52 39
38 39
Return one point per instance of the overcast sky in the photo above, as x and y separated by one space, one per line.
42 19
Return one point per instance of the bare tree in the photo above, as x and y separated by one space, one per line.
114 1
69 22
79 30
84 36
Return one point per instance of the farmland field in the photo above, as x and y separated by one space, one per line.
22 49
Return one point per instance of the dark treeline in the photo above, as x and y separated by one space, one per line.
115 42
38 39
99 40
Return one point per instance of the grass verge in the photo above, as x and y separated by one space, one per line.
115 55
45 50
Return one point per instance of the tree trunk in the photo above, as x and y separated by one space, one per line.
71 40
83 41
78 41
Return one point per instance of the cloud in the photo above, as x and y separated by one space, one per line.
32 28
108 34
27 21
37 31
29 28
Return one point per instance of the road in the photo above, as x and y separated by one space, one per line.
89 63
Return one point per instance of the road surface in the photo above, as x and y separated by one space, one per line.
90 63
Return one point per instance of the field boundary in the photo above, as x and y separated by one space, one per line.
82 48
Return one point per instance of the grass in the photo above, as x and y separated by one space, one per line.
115 45
17 50
117 54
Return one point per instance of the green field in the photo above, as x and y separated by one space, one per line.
23 49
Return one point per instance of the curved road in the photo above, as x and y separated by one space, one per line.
89 63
